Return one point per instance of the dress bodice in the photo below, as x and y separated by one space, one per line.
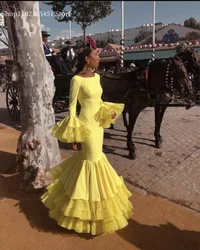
94 112
90 92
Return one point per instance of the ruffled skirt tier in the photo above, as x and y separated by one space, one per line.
88 196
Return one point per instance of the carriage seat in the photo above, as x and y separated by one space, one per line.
118 76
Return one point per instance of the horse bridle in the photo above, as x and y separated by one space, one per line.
170 73
178 67
194 62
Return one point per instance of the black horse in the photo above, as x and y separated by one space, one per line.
167 81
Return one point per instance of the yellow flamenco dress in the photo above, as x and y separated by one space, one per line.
86 194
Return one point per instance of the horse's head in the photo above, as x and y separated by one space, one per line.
191 59
178 72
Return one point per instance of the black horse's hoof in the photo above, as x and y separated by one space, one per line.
132 156
158 144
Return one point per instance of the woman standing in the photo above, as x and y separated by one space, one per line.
86 194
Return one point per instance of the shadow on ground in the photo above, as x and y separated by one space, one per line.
29 203
144 237
164 237
7 120
8 162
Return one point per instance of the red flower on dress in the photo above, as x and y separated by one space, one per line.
113 115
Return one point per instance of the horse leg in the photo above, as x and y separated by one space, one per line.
125 118
162 112
133 115
159 113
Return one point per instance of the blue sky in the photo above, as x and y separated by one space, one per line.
136 13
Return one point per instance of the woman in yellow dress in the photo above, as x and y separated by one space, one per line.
86 194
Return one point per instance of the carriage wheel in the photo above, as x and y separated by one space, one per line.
12 101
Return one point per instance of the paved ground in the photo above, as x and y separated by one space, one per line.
157 224
172 172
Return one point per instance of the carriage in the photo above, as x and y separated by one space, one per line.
12 94
60 100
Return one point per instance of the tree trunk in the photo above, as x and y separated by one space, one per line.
37 150
84 38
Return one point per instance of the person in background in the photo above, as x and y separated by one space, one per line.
132 67
69 55
52 55
103 70
47 50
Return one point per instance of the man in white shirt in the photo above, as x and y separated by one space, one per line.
131 68
69 55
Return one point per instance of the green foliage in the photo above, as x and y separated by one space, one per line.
192 23
84 13
192 36
141 36
79 43
101 43
110 40
58 6
149 40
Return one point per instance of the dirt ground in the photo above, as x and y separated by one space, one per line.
157 224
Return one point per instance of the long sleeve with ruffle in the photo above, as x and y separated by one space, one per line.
71 129
108 113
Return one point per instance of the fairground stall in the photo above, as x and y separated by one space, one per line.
110 56
140 55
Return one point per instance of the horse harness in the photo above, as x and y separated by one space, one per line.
169 83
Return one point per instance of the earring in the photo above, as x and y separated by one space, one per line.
87 66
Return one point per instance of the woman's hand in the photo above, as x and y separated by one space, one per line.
74 146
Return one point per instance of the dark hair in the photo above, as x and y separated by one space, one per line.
81 59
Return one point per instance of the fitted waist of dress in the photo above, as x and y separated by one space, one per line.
90 106
88 113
